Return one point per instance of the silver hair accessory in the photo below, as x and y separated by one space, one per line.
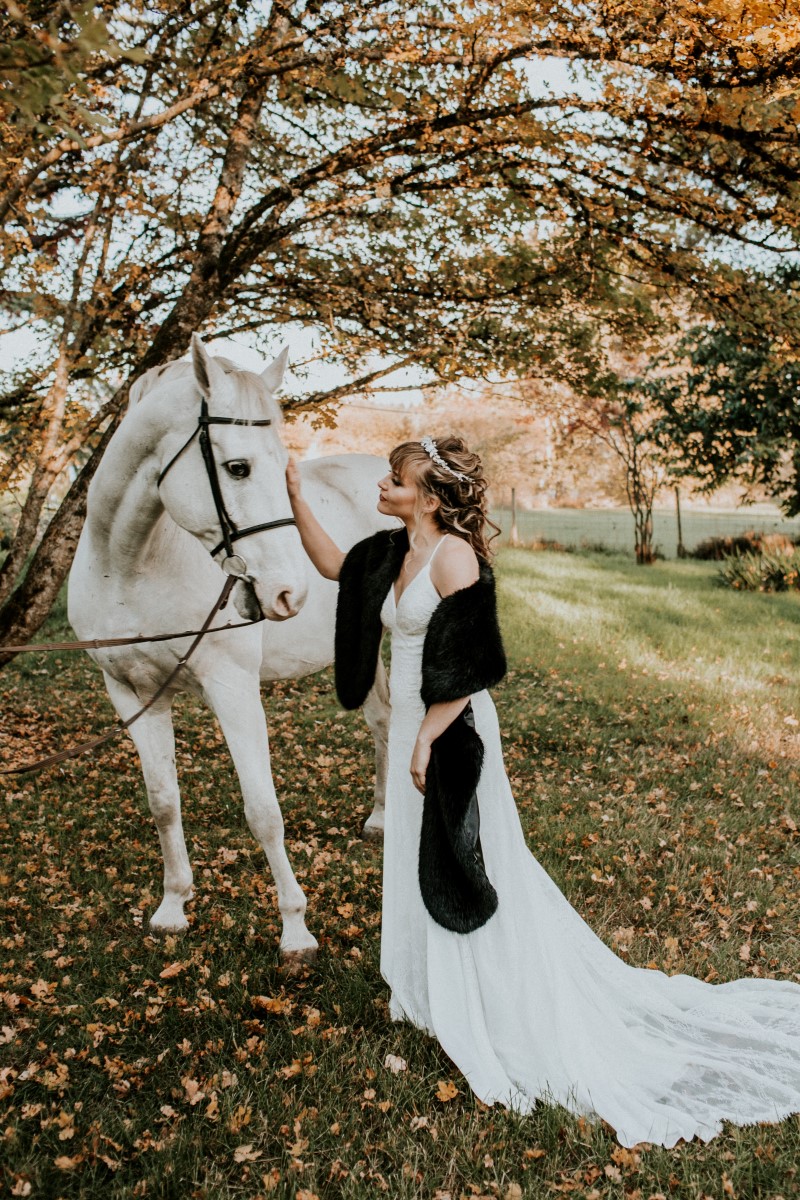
429 446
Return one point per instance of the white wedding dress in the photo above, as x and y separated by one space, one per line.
533 1005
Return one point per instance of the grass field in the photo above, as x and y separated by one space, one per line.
612 528
652 735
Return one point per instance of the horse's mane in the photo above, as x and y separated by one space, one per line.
249 385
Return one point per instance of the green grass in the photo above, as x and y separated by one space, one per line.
650 734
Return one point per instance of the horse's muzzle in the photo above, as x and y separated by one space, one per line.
278 604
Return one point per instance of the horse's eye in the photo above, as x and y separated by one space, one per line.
238 469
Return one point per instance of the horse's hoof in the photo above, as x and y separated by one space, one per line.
293 959
167 930
371 834
169 918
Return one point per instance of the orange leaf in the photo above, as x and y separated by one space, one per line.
272 1005
172 970
246 1153
193 1092
64 1163
446 1090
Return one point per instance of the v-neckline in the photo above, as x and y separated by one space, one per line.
413 579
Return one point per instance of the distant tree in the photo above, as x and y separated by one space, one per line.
623 419
730 403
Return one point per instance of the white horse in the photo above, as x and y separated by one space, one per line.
148 562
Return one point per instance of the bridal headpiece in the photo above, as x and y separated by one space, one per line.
429 446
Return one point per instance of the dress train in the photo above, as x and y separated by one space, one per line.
534 1005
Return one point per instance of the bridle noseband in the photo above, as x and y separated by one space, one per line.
232 564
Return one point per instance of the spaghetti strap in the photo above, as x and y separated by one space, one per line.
436 549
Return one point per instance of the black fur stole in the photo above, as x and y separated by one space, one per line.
462 654
367 573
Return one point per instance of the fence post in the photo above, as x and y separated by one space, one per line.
513 537
681 547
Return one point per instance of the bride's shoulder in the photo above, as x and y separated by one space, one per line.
455 566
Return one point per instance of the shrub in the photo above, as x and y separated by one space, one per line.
769 572
716 549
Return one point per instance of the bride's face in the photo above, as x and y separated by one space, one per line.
398 496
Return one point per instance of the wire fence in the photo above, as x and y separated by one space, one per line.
612 528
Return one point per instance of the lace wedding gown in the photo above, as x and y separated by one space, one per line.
533 1004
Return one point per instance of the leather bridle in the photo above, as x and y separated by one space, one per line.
232 564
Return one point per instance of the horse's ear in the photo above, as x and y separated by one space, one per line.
207 371
273 374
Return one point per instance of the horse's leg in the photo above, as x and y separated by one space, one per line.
237 703
377 709
154 739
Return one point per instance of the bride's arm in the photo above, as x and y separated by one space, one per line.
320 548
454 567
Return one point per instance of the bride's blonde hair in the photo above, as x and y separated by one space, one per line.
463 508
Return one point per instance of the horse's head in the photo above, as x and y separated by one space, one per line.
225 483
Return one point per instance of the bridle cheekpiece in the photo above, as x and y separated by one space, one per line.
232 564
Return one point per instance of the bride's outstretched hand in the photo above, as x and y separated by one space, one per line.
293 483
419 764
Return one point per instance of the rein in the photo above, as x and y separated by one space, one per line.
100 643
233 565
121 726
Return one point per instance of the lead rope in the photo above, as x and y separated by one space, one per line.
121 726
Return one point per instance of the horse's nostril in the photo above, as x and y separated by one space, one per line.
285 603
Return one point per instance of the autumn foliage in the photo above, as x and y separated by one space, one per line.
408 181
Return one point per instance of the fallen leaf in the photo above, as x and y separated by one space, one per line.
246 1153
627 1159
64 1163
272 1005
172 970
395 1064
194 1093
446 1090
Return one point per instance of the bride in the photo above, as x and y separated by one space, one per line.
478 945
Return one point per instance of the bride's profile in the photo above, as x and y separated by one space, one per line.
478 945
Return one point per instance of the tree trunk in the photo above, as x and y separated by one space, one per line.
29 604
643 522
48 467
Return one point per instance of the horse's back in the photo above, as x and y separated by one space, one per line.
342 492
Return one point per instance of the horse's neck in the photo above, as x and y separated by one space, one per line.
125 517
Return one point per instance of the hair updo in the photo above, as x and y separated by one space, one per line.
462 506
